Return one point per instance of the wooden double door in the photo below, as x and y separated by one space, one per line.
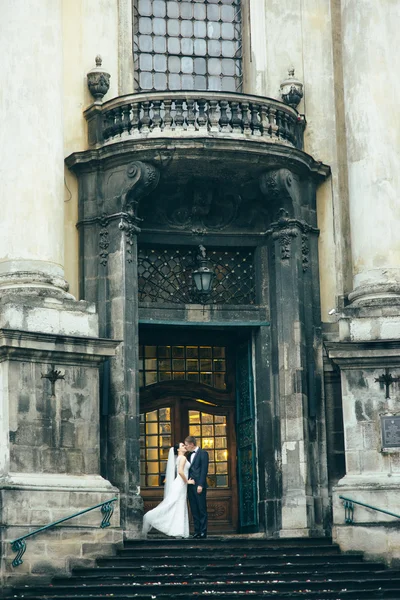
169 413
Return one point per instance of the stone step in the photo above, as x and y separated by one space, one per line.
347 566
359 594
231 541
223 587
199 550
266 576
243 559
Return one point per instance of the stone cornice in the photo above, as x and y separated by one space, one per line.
22 345
248 153
356 355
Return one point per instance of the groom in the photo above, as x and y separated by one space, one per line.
198 469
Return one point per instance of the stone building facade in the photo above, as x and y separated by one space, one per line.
255 141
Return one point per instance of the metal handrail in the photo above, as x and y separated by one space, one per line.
19 545
349 509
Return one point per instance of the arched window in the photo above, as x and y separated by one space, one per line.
187 45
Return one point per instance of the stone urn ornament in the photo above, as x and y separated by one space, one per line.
98 80
291 90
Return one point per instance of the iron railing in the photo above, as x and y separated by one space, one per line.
348 504
19 545
194 114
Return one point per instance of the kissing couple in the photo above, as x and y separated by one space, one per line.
185 478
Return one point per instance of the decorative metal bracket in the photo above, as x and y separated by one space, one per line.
53 375
108 511
348 512
18 546
387 379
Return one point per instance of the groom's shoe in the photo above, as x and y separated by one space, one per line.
196 535
203 536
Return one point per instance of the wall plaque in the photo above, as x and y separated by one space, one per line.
390 426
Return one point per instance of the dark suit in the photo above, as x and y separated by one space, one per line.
198 502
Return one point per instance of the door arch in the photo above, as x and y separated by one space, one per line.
171 411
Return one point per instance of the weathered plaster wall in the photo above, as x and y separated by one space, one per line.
90 27
305 34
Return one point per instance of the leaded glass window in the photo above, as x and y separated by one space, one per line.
210 432
155 442
204 364
187 45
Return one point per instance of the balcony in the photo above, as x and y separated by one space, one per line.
201 115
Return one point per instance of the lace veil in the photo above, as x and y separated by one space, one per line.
170 472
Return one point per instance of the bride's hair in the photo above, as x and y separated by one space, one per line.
176 448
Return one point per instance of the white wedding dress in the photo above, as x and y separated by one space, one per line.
171 515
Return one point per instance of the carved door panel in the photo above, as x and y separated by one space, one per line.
167 421
246 445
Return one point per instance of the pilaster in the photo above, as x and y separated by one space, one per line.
297 338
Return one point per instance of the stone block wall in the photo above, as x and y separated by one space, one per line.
53 434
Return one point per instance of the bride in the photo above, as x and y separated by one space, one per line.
171 515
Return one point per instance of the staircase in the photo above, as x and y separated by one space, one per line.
225 568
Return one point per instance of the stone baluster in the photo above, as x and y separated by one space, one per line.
167 115
157 120
273 127
179 116
118 121
224 119
292 129
109 130
191 115
236 120
244 106
135 116
264 119
213 120
202 117
280 123
255 122
126 121
145 120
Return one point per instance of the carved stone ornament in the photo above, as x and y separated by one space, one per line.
285 229
284 234
130 230
305 251
98 80
291 90
281 186
104 240
143 178
198 208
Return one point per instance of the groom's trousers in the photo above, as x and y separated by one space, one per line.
198 507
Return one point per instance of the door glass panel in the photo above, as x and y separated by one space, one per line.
206 364
209 437
155 442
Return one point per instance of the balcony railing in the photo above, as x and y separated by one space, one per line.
194 114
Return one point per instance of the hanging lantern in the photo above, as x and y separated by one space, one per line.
203 276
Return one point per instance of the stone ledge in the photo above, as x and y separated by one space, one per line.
49 346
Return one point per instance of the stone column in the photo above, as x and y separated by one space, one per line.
371 93
31 139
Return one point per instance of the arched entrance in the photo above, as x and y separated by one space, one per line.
189 389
